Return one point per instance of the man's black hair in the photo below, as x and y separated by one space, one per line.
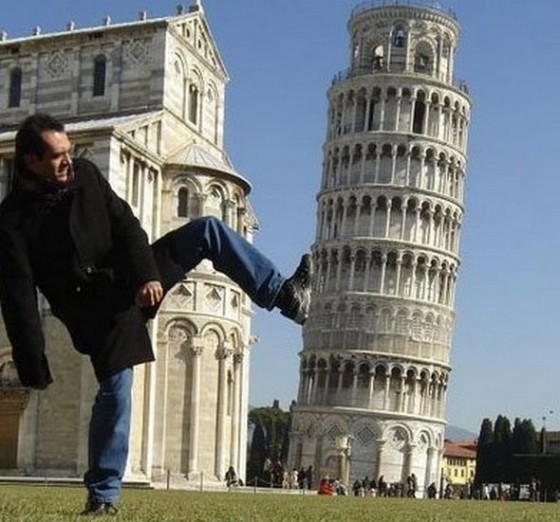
28 137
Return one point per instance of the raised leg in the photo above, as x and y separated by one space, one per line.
182 249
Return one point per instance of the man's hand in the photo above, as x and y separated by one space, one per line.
149 294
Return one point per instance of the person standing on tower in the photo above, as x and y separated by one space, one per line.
64 231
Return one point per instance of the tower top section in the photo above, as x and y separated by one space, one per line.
400 36
435 7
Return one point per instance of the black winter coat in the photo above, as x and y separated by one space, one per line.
88 255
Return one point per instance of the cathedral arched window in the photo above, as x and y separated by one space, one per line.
15 87
183 202
399 36
193 103
378 58
99 75
423 58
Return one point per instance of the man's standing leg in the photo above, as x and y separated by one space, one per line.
108 442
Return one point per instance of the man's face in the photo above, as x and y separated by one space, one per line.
55 164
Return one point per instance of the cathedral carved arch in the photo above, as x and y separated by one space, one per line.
373 53
423 440
179 334
180 64
398 436
186 191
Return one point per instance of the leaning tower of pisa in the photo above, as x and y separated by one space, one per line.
375 363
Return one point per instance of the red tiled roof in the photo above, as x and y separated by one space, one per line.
460 448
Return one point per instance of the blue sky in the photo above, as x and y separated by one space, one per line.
281 56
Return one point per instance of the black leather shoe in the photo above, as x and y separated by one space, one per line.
99 509
295 294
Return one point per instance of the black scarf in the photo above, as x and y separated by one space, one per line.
45 194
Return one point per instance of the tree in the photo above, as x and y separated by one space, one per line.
257 454
501 451
524 437
483 453
270 439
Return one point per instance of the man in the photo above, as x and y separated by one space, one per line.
65 232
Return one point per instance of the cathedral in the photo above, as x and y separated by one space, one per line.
145 101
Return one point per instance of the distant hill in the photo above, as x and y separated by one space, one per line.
455 433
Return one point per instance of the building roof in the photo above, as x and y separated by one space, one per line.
195 10
196 156
191 154
461 448
93 124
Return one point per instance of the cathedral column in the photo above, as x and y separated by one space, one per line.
387 390
237 423
413 395
413 267
372 218
328 271
382 113
393 163
371 388
429 477
411 124
223 354
407 173
417 228
388 218
352 270
377 165
354 113
452 291
439 132
357 219
195 408
404 208
367 117
420 180
409 456
398 279
340 375
363 165
367 271
313 391
383 273
344 219
379 447
326 383
425 123
398 113
340 258
430 233
403 395
354 384
301 385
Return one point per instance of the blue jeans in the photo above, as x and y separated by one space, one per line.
109 432
182 249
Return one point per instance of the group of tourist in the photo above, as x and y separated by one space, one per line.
380 488
277 476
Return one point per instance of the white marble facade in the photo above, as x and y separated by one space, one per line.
145 101
375 364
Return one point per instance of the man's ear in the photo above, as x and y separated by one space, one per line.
30 161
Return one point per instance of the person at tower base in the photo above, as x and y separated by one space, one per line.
64 231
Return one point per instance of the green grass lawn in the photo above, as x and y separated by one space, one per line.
45 504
